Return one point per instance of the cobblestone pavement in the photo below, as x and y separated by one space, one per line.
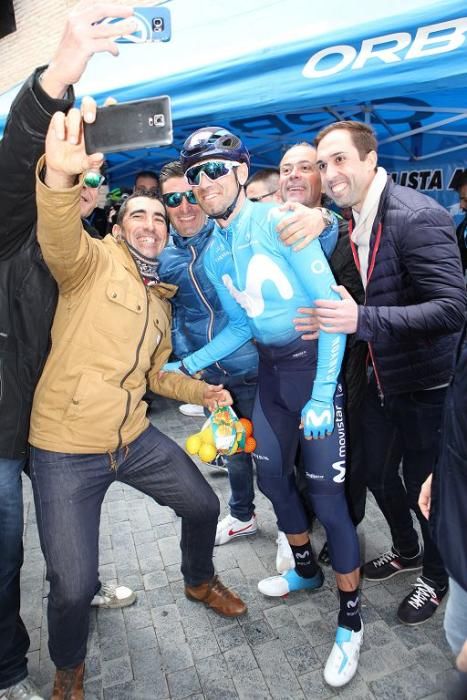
165 646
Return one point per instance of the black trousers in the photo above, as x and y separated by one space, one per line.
407 428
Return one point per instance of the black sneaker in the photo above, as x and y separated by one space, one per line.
389 564
323 556
422 603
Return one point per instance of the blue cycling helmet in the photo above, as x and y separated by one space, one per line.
212 141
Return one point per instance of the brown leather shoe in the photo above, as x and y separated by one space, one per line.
68 684
218 597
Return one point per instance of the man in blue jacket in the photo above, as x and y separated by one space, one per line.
197 317
404 246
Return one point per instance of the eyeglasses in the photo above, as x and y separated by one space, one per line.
174 199
262 196
214 169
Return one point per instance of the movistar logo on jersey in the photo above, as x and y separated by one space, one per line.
260 269
430 40
340 469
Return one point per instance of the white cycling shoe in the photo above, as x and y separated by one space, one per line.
342 662
278 586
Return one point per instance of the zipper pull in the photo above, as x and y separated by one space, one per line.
381 396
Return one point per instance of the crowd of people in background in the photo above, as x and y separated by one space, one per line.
317 298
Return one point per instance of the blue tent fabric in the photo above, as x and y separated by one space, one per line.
276 72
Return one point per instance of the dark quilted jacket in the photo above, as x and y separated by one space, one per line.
415 298
448 515
27 290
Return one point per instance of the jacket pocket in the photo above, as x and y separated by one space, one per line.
120 313
94 400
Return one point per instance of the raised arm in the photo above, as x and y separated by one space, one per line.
45 92
67 250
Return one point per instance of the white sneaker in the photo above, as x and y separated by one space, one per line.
110 596
192 410
278 586
24 690
284 557
229 527
342 662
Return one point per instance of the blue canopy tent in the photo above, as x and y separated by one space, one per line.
276 72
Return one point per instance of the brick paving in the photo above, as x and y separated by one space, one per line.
165 646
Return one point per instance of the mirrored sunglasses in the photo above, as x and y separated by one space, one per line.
214 169
174 199
92 179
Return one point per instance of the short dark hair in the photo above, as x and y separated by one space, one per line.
461 181
147 173
263 175
148 195
172 169
363 137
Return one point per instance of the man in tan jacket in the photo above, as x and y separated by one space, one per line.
110 339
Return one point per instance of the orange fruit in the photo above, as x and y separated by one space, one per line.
248 425
250 443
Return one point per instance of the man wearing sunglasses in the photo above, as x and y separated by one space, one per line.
197 317
88 204
263 186
261 283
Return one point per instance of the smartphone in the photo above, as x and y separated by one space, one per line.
153 25
130 125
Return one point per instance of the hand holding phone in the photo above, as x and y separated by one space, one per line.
153 24
130 125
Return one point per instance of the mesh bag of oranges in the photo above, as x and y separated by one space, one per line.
223 433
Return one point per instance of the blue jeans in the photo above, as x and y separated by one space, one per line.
240 466
455 617
406 427
68 492
14 640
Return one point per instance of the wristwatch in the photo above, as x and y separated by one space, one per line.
328 218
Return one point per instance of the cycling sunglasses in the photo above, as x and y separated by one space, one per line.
174 199
214 169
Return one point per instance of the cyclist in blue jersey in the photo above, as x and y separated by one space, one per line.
261 283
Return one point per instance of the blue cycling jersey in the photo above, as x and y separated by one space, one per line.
261 283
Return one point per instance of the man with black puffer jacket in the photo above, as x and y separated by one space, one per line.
28 297
405 249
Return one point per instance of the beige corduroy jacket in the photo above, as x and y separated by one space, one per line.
110 338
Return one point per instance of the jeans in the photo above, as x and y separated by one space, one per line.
455 617
240 466
406 427
14 640
68 492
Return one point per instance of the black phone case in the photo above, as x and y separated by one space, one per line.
129 126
